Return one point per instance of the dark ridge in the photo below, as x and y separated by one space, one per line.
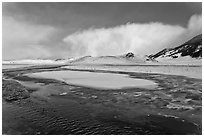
191 48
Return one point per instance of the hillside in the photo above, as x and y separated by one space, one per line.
127 59
192 48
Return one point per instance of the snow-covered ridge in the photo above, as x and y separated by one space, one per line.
192 48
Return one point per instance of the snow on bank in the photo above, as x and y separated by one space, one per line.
187 60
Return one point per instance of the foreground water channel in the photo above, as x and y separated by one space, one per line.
81 102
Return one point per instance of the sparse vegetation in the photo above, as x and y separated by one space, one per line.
13 91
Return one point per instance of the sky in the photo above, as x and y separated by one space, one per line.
62 30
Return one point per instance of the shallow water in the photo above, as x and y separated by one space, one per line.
95 79
55 118
58 108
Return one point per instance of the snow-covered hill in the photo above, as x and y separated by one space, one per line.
127 59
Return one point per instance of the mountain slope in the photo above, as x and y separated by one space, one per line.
192 48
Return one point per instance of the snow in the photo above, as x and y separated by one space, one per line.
186 60
108 60
189 71
184 66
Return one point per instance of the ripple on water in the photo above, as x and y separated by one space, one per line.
73 119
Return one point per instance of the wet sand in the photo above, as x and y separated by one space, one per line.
55 107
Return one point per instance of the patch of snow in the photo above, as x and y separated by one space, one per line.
64 93
186 60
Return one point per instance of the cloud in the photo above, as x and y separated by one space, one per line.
195 23
27 52
141 39
194 28
22 40
28 41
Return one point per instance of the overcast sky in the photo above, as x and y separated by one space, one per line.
62 30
